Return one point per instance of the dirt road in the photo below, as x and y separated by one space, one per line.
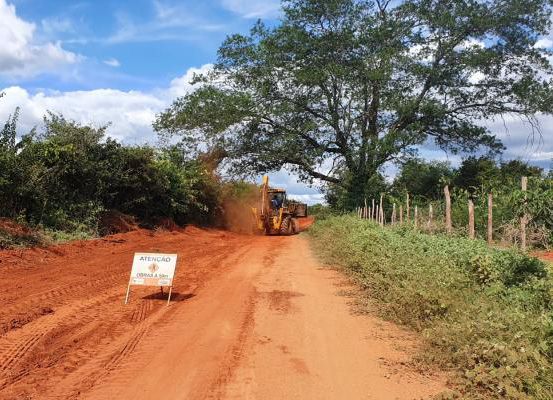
251 318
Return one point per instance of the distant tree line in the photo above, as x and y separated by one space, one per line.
426 179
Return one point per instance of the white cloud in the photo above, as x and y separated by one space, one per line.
294 189
471 43
112 62
20 54
476 77
544 43
55 25
181 85
130 113
423 53
253 8
525 142
169 22
310 199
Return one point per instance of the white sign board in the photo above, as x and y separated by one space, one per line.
152 269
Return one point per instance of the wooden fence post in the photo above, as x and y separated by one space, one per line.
380 219
394 214
407 208
373 209
416 216
490 218
524 218
471 219
448 227
401 214
430 217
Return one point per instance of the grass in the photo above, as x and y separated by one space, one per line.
36 237
485 314
10 241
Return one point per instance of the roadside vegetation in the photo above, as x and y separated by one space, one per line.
474 179
66 180
484 313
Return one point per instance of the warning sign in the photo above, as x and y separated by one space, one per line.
152 269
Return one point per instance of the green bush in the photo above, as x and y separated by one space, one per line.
486 313
63 178
321 211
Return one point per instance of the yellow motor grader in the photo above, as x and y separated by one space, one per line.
276 214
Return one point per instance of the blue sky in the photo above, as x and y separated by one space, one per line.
133 45
122 62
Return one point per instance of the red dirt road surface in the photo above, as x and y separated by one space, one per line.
251 318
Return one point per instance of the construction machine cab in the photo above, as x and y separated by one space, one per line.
278 197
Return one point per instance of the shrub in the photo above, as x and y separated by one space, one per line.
64 178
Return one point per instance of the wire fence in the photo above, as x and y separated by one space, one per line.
436 216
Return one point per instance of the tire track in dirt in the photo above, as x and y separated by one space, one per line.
89 332
68 321
173 322
12 352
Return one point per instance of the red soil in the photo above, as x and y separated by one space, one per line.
251 317
13 228
545 255
306 222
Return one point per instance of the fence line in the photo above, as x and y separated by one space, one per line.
376 213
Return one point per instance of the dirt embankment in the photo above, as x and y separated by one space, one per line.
546 256
252 317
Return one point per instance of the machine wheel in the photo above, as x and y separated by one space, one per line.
295 226
286 226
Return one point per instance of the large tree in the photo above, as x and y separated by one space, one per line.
341 87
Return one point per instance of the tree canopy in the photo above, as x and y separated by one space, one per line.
423 179
341 87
